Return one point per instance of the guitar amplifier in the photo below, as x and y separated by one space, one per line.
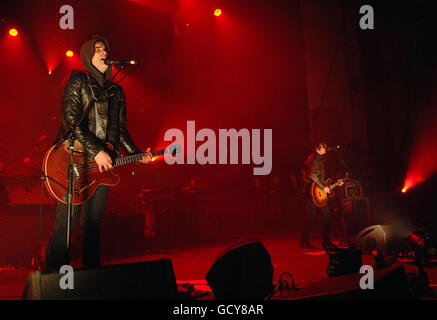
353 189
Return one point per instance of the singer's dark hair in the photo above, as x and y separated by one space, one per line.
318 144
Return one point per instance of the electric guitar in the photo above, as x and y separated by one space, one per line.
87 176
320 198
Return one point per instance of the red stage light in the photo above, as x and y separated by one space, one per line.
423 158
407 185
410 182
13 32
218 12
69 53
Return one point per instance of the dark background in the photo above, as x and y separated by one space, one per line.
301 68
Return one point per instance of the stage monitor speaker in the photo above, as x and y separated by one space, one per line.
389 283
242 271
372 238
154 280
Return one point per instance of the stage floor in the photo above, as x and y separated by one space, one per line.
192 263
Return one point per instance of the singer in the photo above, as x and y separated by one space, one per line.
104 121
315 172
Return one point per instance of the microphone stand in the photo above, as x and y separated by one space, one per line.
341 161
122 66
40 263
72 174
344 168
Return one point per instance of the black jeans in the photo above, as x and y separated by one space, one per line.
91 217
326 213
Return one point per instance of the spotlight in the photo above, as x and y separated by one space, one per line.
69 53
218 12
407 185
50 71
13 32
421 245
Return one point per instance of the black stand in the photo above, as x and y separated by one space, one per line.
343 170
122 66
341 161
40 263
72 174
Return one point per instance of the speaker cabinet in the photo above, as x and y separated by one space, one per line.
154 280
242 271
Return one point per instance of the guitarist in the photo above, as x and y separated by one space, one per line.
315 172
105 121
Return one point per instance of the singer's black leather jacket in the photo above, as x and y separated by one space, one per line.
315 170
105 120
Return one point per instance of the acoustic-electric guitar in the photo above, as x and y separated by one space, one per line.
87 176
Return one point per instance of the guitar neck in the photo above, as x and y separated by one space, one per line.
334 185
121 161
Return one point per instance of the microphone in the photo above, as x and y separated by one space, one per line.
334 148
110 62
